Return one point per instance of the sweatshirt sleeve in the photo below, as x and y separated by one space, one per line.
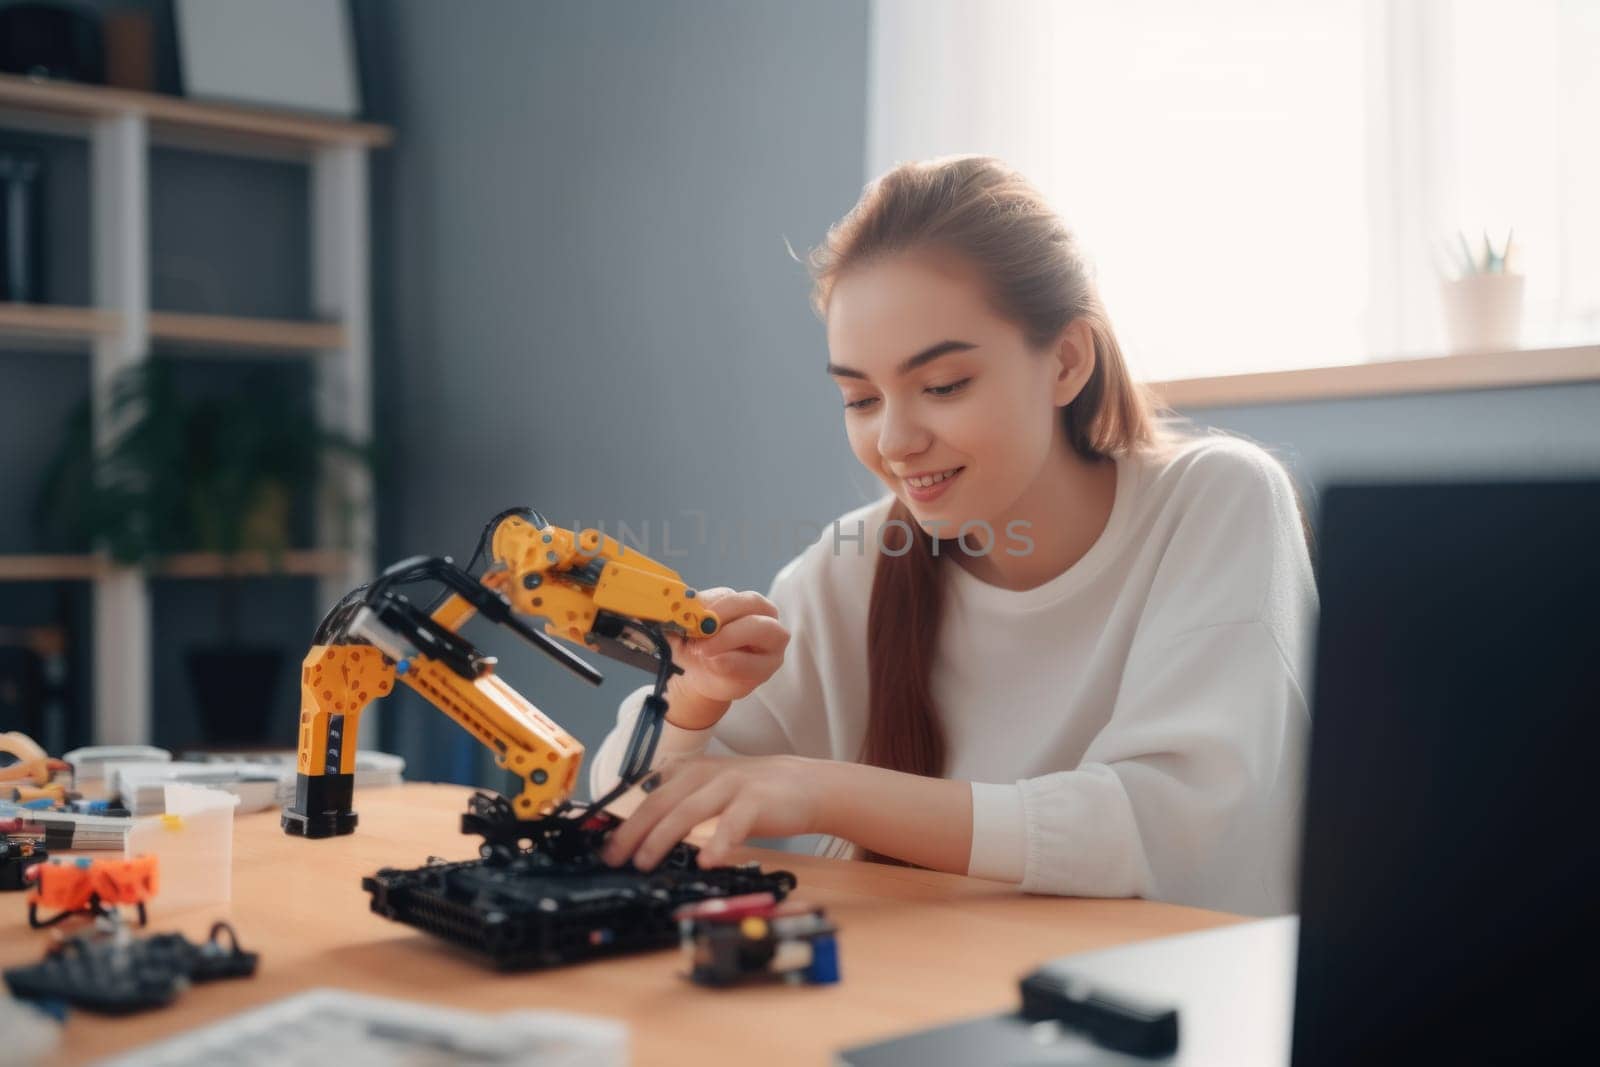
1188 793
1192 789
752 726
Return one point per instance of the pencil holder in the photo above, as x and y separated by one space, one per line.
1483 312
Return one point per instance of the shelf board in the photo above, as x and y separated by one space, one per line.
46 322
68 107
301 563
177 327
49 568
54 323
1426 374
87 567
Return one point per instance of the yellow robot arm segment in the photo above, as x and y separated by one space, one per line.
337 682
523 739
568 578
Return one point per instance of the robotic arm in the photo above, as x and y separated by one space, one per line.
588 588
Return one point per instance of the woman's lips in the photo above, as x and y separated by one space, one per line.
928 494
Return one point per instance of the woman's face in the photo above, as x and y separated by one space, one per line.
944 400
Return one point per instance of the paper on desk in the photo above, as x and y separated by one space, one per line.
261 781
332 1025
142 786
372 768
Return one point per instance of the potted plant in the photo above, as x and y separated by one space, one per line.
1483 299
220 474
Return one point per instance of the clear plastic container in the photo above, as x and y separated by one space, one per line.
193 843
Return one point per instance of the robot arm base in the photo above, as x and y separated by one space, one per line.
321 806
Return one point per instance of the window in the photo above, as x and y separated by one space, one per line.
1267 185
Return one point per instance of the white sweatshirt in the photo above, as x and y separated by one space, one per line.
1136 726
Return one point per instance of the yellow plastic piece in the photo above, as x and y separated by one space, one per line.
454 613
31 762
20 745
55 792
338 680
629 583
524 740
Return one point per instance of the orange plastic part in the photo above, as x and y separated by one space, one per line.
338 680
70 886
628 583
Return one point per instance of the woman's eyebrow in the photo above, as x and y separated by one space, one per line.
926 356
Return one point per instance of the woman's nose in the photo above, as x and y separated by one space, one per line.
900 434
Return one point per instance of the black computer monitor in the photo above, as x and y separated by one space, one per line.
1450 889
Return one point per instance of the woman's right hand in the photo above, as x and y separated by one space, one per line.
746 650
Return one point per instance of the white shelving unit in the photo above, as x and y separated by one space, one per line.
119 127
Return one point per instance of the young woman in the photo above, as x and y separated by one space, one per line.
1066 651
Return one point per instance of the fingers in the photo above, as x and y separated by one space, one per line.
675 826
730 605
745 651
732 830
745 664
670 789
756 633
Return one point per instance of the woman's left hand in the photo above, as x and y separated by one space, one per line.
755 796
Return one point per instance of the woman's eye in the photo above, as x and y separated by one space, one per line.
860 405
949 390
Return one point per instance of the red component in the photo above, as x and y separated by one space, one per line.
728 909
600 821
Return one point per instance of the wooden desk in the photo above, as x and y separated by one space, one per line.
915 947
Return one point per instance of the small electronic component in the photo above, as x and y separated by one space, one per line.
755 937
114 973
81 886
109 808
16 857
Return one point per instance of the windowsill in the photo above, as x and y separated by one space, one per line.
1435 374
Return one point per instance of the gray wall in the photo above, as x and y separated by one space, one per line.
584 300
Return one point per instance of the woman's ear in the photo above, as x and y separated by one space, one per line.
1075 359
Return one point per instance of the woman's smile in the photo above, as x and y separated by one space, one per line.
930 486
